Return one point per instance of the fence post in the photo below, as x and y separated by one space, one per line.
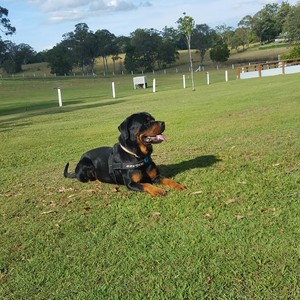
259 70
113 90
59 97
238 73
283 68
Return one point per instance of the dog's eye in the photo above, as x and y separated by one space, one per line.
148 123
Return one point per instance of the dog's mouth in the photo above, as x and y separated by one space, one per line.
159 138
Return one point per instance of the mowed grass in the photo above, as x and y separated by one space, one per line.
233 234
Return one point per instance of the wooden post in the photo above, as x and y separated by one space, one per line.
238 73
259 70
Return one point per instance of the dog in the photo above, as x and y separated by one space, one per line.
129 161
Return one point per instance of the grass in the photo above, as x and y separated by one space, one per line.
234 234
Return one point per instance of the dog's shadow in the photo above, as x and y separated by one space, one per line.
195 163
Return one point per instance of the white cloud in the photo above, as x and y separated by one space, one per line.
112 5
74 10
68 15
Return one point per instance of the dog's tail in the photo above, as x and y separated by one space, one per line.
66 174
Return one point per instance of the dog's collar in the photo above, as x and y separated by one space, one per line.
129 152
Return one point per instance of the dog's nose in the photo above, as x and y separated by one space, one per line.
161 124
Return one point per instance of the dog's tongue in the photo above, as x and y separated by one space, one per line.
156 139
161 137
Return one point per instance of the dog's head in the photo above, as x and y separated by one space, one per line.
85 170
139 131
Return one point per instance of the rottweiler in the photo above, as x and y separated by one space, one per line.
129 161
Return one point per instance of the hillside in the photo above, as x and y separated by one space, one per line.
252 54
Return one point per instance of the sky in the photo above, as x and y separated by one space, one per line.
42 23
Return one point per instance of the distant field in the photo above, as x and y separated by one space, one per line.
255 53
233 234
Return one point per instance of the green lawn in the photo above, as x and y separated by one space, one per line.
233 234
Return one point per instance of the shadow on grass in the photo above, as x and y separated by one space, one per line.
9 122
195 163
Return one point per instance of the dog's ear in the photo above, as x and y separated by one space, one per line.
123 128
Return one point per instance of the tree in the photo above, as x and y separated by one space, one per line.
131 61
166 52
5 25
225 33
202 39
264 23
219 53
186 25
244 32
60 59
107 46
292 24
75 41
282 14
7 29
240 38
14 56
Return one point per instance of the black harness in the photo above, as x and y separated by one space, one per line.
118 166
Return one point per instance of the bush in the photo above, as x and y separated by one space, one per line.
294 53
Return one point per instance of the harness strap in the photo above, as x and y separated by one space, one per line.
124 166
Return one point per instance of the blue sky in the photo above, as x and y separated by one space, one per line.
41 23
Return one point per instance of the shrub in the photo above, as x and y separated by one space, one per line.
294 53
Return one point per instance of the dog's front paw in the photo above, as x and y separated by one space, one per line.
179 187
153 190
159 192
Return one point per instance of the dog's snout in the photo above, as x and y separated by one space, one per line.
161 124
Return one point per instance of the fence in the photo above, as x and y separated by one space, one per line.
288 66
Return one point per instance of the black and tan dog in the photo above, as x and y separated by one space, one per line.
129 162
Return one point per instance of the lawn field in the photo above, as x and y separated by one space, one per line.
233 234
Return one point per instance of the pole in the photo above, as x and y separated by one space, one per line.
183 81
226 76
113 90
154 85
207 77
59 97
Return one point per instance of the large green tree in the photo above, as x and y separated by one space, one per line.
13 56
143 50
60 59
219 53
203 39
86 46
244 34
147 50
292 24
107 46
76 42
265 23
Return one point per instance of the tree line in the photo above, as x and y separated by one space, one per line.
150 49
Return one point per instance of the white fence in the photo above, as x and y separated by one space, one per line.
290 66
